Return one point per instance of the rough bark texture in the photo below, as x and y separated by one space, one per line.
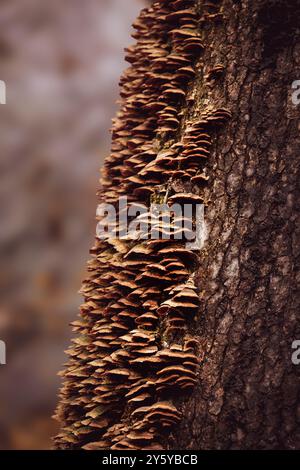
236 350
248 392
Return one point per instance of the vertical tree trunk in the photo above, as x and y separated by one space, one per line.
217 74
248 391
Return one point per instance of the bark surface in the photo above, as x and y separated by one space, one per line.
224 376
248 391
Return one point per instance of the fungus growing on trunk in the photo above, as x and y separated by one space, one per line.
134 355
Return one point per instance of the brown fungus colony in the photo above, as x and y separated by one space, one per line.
134 353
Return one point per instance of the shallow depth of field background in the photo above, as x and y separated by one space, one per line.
61 62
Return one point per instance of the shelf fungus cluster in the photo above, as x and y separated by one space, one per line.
134 353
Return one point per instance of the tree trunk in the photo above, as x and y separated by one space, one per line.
236 386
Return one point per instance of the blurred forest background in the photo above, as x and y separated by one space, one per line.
61 62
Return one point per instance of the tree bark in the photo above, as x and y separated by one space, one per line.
246 394
248 391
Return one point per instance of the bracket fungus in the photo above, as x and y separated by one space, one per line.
134 353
